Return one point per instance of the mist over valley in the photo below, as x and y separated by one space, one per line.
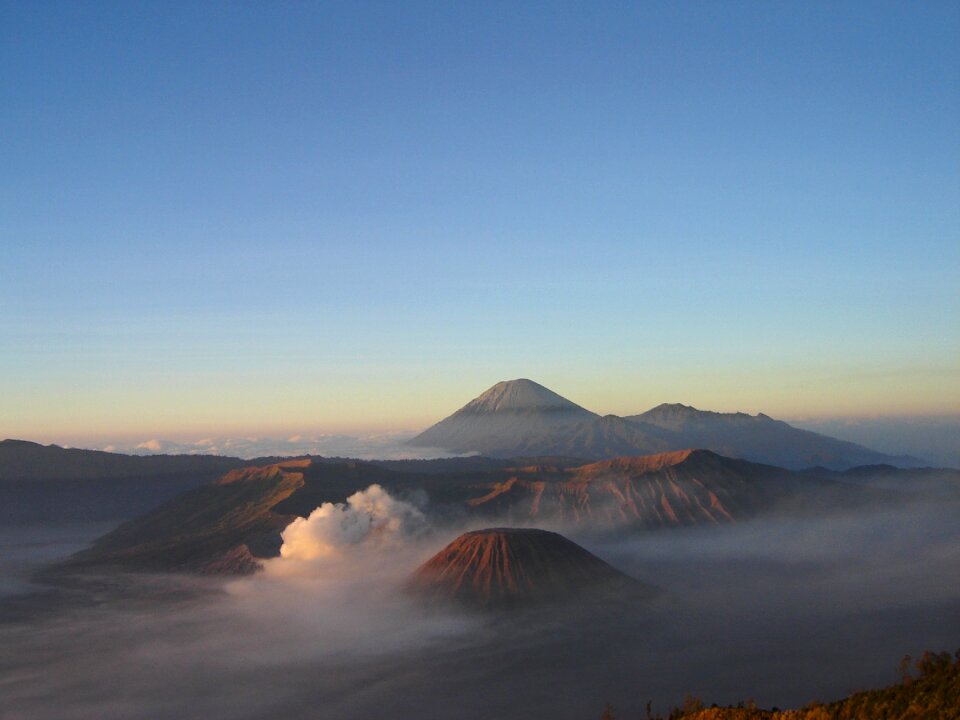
783 611
354 588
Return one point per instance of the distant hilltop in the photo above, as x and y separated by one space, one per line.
523 418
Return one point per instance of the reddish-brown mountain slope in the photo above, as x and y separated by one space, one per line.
212 529
205 529
504 567
686 487
224 527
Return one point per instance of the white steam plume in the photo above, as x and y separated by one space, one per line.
369 516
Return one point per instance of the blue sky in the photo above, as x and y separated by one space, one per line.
272 216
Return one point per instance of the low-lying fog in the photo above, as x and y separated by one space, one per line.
378 446
25 547
783 612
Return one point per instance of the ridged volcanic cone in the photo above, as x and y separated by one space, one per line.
505 567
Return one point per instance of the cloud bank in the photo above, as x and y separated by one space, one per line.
386 446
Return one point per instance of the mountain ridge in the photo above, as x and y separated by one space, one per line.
49 483
27 460
523 418
237 520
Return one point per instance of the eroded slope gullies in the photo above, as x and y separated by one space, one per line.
512 567
688 487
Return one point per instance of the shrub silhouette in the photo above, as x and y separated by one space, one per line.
933 694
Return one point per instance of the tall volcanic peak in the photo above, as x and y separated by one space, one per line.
511 567
506 419
520 418
521 396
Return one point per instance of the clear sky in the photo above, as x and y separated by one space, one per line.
261 217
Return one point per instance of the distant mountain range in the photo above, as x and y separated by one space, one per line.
522 418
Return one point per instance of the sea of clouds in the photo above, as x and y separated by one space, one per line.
784 610
380 446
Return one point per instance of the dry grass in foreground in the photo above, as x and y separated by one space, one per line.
933 693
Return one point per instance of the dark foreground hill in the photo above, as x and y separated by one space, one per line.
934 694
225 525
504 568
521 417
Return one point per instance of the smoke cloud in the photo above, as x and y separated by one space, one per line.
370 516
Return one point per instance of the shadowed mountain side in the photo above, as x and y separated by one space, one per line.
23 460
609 436
507 567
520 417
53 484
760 438
474 463
50 484
931 483
197 530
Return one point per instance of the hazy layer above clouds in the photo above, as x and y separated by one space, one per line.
388 446
935 439
25 547
785 612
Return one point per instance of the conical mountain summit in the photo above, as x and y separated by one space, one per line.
512 418
521 396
